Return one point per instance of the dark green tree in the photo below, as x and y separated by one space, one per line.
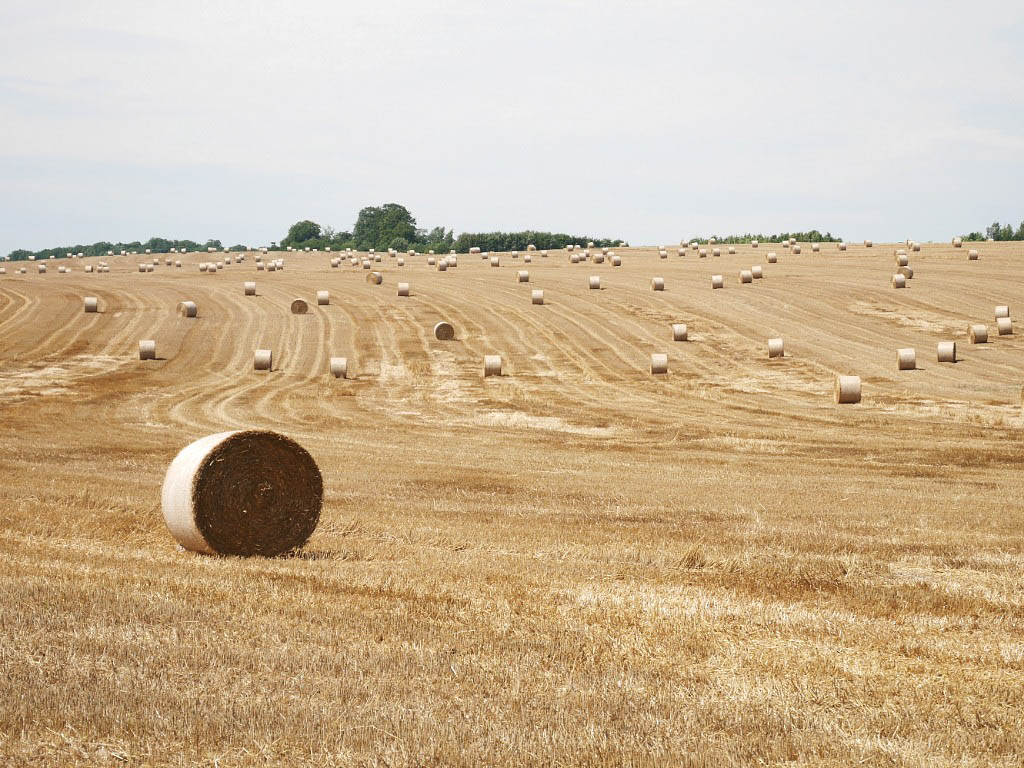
377 226
301 232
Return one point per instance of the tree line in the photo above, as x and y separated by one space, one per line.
102 248
814 236
997 231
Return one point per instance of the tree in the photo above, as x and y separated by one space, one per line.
301 232
376 227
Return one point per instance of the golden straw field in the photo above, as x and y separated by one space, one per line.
576 563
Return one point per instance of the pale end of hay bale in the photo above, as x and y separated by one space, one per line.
250 288
515 254
522 276
847 389
220 265
679 332
657 283
474 249
842 246
335 263
403 289
142 267
796 249
492 365
375 278
899 281
659 363
92 304
147 349
776 348
1002 311
746 276
531 247
616 261
263 360
694 245
495 261
946 351
444 331
1004 326
717 281
88 268
595 283
243 494
537 297
772 257
906 359
972 255
756 272
907 272
187 309
339 367
902 260
299 307
453 262
323 298
977 333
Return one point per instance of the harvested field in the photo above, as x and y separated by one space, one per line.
573 563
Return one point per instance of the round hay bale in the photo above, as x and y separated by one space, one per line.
543 254
772 257
899 281
272 266
142 267
753 243
474 249
527 259
92 304
595 283
815 248
657 283
339 367
746 276
957 242
842 246
775 348
522 276
376 257
732 251
915 247
187 309
442 265
403 289
716 251
679 332
537 297
323 298
242 493
847 389
177 264
444 331
495 261
868 244
616 260
531 247
574 259
1004 326
249 288
335 263
906 359
694 245
400 261
147 349
792 241
263 360
972 255
907 272
220 265
88 268
977 333
659 363
662 254
515 254
702 253
756 272
599 258
681 252
367 264
492 365
946 351
902 260
717 281
375 278
259 266
1002 311
795 249
299 307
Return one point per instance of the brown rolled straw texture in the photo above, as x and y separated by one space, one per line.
177 264
847 389
335 263
531 247
792 241
772 258
946 351
444 331
746 276
187 308
659 363
299 307
375 278
323 298
595 283
756 272
907 272
88 268
776 348
899 281
906 359
679 332
1004 326
977 333
972 255
339 367
1002 311
147 349
403 289
92 304
522 276
515 254
796 249
717 281
657 283
616 260
242 493
492 365
142 267
249 288
537 297
263 360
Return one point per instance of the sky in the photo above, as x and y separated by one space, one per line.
648 121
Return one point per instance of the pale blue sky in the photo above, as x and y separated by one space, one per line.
651 121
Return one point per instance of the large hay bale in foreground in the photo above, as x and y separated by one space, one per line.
847 389
1002 310
1004 326
242 493
906 359
537 297
444 331
187 309
92 304
978 333
678 331
299 307
946 351
659 363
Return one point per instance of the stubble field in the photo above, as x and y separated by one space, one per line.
575 563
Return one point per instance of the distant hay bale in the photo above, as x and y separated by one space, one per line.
847 389
717 281
772 257
746 276
220 265
574 259
492 365
88 268
662 254
1002 310
522 276
795 249
242 494
259 266
946 351
776 348
403 289
537 297
712 240
543 254
694 245
702 253
977 333
323 298
915 247
659 363
147 349
299 307
792 241
528 259
335 262
815 248
753 243
842 246
972 255
716 251
616 260
657 283
681 252
400 261
375 278
906 359
442 265
444 331
756 272
474 249
92 304
595 283
142 267
732 250
515 254
1004 326
452 262
42 269
907 272
187 309
272 266
958 242
177 264
495 261
599 258
531 247
263 360
902 260
899 281
339 367
868 244
679 332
